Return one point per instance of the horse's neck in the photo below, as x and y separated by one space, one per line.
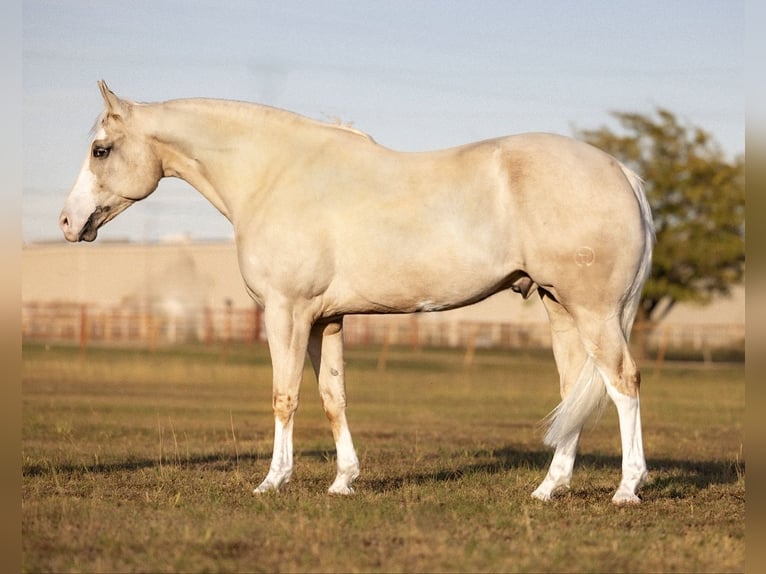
224 124
215 145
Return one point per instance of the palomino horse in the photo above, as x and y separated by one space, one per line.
328 223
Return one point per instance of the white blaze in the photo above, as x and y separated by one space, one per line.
81 202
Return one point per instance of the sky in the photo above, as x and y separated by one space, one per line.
415 75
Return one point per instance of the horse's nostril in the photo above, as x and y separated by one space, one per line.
64 222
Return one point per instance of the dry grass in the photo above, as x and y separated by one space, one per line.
145 462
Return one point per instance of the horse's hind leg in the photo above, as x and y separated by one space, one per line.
326 354
606 343
571 361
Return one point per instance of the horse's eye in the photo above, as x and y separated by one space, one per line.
101 151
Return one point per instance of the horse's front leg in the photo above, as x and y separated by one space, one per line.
288 338
326 353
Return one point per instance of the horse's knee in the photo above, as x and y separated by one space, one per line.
284 405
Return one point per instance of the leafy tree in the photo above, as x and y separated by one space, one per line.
698 203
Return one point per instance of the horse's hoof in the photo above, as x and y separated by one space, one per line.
626 499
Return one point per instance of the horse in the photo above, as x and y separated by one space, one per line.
327 222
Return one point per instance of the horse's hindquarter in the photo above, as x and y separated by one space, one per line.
577 217
366 229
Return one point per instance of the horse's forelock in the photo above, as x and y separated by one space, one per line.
97 124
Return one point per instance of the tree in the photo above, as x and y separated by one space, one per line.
698 202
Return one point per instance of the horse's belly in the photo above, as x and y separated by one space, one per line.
414 288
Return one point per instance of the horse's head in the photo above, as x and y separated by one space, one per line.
120 168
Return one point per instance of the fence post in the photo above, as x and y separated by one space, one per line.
415 332
383 356
153 327
258 327
470 348
83 328
227 336
707 354
107 324
660 360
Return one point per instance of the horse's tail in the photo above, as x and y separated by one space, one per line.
588 393
633 294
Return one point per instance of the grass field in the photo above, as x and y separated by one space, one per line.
136 461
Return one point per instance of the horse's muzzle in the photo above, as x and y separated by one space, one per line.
87 232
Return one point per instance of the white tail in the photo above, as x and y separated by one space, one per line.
633 296
588 394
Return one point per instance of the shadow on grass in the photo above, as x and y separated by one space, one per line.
199 462
670 478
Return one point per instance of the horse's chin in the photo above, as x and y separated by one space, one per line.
89 234
89 231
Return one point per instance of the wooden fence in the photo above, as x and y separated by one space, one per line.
84 324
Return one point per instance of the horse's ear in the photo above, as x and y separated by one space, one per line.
115 107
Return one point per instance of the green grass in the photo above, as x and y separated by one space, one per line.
137 461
